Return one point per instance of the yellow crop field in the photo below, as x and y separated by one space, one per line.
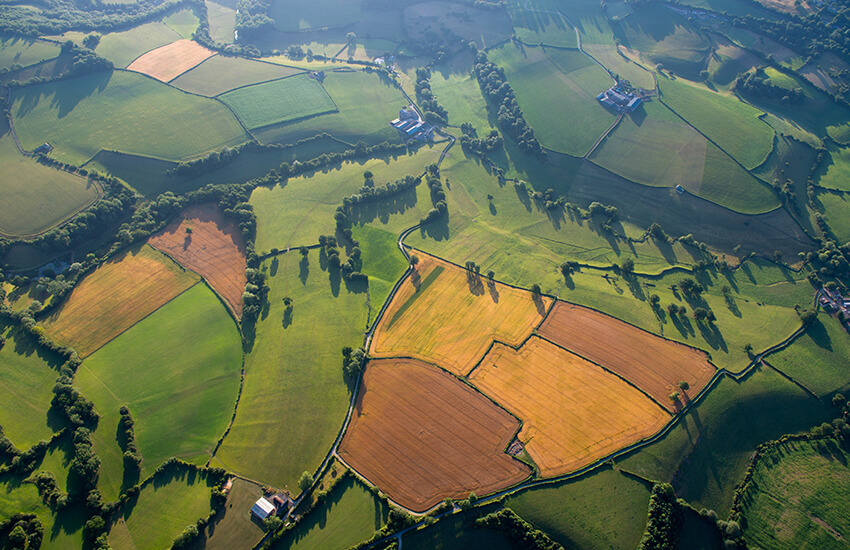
573 412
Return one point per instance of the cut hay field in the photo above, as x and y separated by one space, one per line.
543 28
122 111
25 51
219 74
294 363
28 375
441 315
732 124
222 20
421 447
123 47
115 296
36 197
279 101
234 528
565 403
798 497
178 373
160 512
651 363
556 90
215 250
167 62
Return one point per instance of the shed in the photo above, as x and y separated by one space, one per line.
263 508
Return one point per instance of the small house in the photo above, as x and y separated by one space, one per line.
263 509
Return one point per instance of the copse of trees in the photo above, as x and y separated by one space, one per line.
252 19
22 531
132 457
431 109
520 531
480 147
664 520
758 84
438 195
85 466
353 361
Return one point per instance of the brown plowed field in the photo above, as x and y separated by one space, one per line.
573 411
650 362
215 250
115 296
170 61
422 435
441 317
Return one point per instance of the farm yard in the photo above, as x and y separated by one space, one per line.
279 101
170 61
402 439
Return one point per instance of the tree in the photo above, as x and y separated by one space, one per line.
305 481
535 289
628 266
304 251
748 349
684 386
674 397
700 314
414 260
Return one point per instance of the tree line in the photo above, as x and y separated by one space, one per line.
431 108
758 84
480 147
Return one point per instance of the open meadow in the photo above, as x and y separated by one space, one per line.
170 61
125 46
279 101
60 532
220 74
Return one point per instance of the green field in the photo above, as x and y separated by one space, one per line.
382 262
279 101
732 124
294 397
291 15
183 22
219 73
556 90
233 528
123 47
706 452
615 62
122 111
222 20
585 15
455 533
36 197
833 205
177 371
727 184
59 533
834 172
25 51
798 498
161 511
458 91
536 28
350 514
604 509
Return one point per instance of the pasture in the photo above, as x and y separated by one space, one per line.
729 60
798 498
383 262
834 171
292 16
123 47
565 403
204 240
458 91
168 62
548 29
115 296
36 197
727 184
485 27
59 533
183 22
121 111
178 373
454 531
25 51
445 315
586 16
279 101
833 206
622 62
222 19
233 528
421 447
294 362
219 74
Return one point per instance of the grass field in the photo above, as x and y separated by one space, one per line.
440 315
421 447
799 497
458 91
115 296
616 62
28 375
279 101
178 373
234 529
350 514
454 532
586 15
160 512
59 534
382 262
183 22
833 205
726 183
290 15
294 362
167 62
121 111
601 510
543 28
123 47
215 249
556 90
36 197
485 27
834 172
219 74
732 124
25 51
564 402
729 60
706 453
818 358
222 20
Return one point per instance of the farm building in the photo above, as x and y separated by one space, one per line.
411 127
263 508
44 148
619 99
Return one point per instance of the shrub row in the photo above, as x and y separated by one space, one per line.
431 109
132 456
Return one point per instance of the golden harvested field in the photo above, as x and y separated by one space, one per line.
439 316
215 249
170 61
116 296
650 362
573 411
422 436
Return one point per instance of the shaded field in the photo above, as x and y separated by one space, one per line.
454 531
122 111
123 47
115 296
25 51
565 402
178 373
421 447
59 533
167 62
214 249
726 183
234 528
833 206
485 27
543 28
834 171
441 314
616 62
279 101
219 74
653 364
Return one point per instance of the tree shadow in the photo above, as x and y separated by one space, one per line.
274 265
304 269
437 229
712 336
335 279
494 290
287 317
819 335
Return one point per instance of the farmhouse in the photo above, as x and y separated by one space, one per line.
411 126
263 509
618 99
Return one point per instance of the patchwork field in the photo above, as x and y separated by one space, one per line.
25 51
215 249
441 315
167 62
219 74
114 297
651 363
818 359
279 101
421 447
565 403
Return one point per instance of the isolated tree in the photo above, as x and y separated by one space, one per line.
414 260
350 37
305 481
304 251
684 386
189 230
535 289
674 397
700 314
748 348
628 266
